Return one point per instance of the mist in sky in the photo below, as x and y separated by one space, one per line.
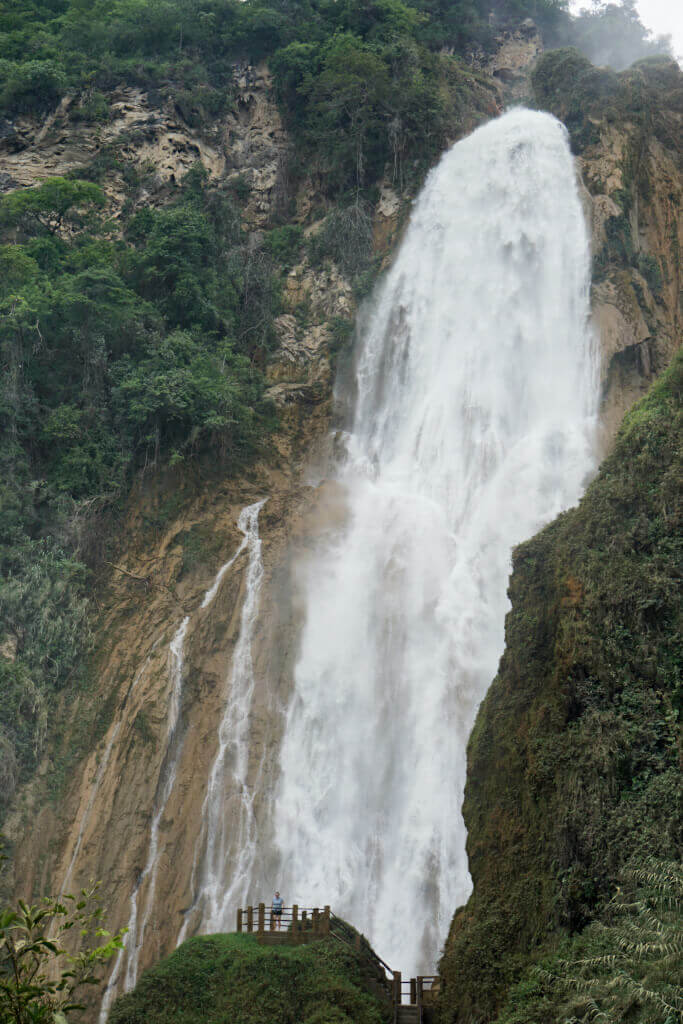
664 17
659 17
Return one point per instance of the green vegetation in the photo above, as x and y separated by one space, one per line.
573 769
568 85
625 966
218 978
39 978
116 352
610 34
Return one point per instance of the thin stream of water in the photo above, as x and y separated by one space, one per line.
226 846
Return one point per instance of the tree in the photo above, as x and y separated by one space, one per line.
48 205
39 976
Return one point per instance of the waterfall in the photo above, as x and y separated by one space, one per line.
475 407
227 841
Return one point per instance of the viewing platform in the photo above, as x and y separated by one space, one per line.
412 1000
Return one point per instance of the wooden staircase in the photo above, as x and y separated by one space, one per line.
407 1014
412 1001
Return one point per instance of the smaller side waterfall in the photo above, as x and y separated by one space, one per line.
228 840
242 685
168 774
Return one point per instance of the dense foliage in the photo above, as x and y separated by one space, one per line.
574 759
628 965
219 978
41 980
115 351
648 95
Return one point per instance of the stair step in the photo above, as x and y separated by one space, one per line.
407 1014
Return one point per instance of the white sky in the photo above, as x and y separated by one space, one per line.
663 17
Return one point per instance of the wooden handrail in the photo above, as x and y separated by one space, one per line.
314 922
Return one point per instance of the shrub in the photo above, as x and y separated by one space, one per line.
345 238
32 87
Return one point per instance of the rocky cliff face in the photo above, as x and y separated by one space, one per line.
626 131
89 811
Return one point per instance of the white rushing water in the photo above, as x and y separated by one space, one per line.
226 845
474 422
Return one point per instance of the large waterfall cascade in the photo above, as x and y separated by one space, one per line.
475 411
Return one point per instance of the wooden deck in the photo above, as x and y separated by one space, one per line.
412 1000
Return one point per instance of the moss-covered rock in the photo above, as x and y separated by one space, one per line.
573 761
231 979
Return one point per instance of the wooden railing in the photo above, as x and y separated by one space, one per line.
295 920
306 924
419 991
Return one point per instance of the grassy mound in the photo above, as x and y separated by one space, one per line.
231 979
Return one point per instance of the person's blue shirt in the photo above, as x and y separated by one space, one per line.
277 902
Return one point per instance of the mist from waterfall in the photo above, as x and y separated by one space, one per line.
475 410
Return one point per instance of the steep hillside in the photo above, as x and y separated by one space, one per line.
626 131
184 267
573 764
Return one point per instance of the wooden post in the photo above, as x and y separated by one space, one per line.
261 918
420 990
295 920
397 988
239 920
326 921
272 921
356 940
316 920
413 991
250 919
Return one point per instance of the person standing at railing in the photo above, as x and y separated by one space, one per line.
277 909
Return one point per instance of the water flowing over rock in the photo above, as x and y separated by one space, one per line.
228 836
475 410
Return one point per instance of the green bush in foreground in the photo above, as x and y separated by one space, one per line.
231 979
40 979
